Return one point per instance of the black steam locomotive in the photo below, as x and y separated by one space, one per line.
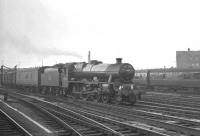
93 81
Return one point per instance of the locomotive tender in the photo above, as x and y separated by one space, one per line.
168 79
90 81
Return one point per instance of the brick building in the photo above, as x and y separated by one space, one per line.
188 59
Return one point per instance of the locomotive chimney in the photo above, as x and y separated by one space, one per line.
89 59
118 60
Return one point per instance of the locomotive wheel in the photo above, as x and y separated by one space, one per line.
105 98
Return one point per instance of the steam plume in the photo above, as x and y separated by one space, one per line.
24 45
26 29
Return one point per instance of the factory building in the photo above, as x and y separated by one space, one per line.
188 59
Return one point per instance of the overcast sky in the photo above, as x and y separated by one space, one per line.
145 33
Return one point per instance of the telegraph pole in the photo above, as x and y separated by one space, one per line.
2 62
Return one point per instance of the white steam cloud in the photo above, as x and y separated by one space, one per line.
26 29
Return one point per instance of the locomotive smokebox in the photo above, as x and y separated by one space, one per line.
118 60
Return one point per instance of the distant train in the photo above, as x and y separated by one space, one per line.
91 81
168 79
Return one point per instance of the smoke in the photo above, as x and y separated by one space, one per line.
27 30
24 45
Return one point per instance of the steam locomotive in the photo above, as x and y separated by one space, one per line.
171 79
95 81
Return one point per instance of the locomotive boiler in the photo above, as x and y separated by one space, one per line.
101 82
96 69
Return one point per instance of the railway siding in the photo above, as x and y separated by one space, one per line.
10 127
37 121
174 127
141 120
128 115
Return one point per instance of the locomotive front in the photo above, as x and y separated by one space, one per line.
123 84
114 80
123 71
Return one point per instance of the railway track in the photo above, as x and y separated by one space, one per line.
171 104
9 127
173 99
117 126
99 124
173 110
48 125
79 125
171 123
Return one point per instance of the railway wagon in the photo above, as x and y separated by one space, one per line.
9 78
140 78
169 79
28 78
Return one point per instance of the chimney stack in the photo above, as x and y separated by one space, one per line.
118 60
